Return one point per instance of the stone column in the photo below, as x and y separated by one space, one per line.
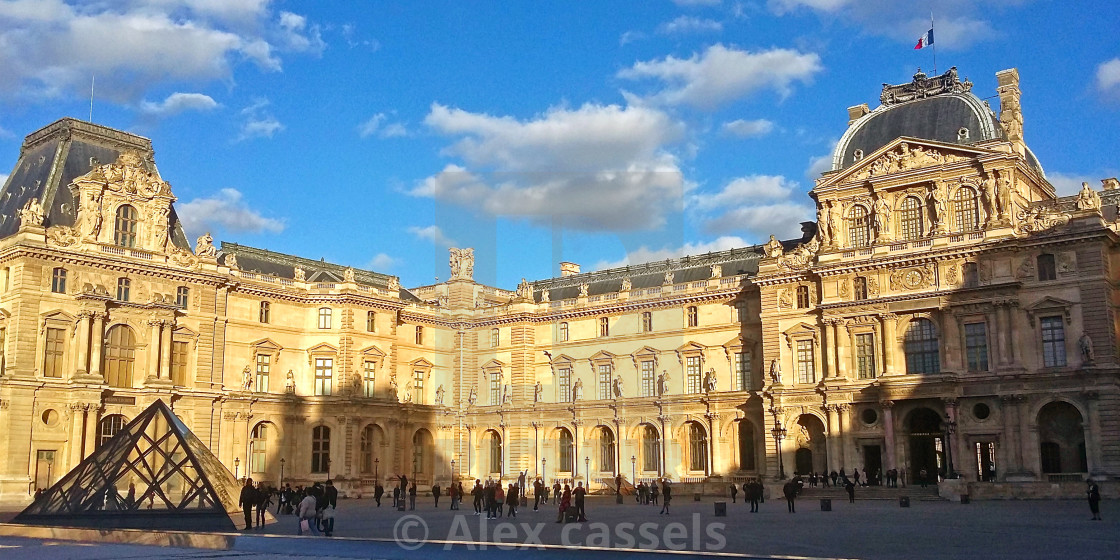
165 354
841 340
846 442
834 348
951 344
1009 440
97 336
888 433
1013 319
833 445
1025 448
1004 338
74 449
82 342
994 359
153 348
890 324
1093 434
954 442
713 449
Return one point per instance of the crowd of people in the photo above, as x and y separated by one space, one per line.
313 506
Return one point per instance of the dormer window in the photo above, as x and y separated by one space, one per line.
124 228
859 234
910 218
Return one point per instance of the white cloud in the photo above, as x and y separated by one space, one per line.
1108 76
177 103
226 211
258 122
433 234
630 37
689 24
691 3
374 126
959 25
3 178
722 74
577 166
748 129
782 219
1067 184
786 6
644 254
51 48
745 190
381 261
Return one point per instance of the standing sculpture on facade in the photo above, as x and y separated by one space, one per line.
710 381
824 228
616 386
775 372
662 383
290 383
1003 195
577 390
524 290
939 203
462 263
472 398
881 218
247 379
439 395
204 246
394 389
538 392
1085 344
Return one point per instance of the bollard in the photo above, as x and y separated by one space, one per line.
966 499
721 509
826 504
904 501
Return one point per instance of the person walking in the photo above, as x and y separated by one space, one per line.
538 488
499 499
247 501
922 474
555 492
264 501
513 499
412 496
378 491
565 505
305 514
330 495
851 489
452 493
855 475
1093 492
666 494
435 493
580 493
651 494
753 492
790 492
734 491
476 494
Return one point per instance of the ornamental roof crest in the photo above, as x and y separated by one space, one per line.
923 86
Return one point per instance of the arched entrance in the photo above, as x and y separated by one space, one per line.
605 456
926 444
809 436
492 442
423 456
747 460
369 448
565 451
1061 437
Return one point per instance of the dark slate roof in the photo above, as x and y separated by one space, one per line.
53 156
263 261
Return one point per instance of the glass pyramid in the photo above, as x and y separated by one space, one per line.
154 474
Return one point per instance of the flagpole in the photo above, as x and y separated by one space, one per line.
933 44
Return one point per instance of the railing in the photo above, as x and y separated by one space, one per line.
956 238
1065 477
900 246
976 235
729 281
680 287
139 255
849 254
923 243
113 250
692 479
593 299
866 251
612 295
324 286
285 282
700 284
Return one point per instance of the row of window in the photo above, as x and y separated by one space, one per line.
692 319
124 288
647 379
912 218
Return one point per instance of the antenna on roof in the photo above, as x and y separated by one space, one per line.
92 79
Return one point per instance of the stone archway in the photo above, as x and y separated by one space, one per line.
926 446
809 437
1061 437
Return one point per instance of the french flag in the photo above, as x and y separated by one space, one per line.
925 40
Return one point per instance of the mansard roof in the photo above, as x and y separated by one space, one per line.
53 156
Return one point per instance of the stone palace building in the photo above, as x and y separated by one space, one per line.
945 311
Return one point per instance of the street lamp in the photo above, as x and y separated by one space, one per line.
453 471
544 475
779 434
587 469
237 468
281 471
950 427
633 469
376 470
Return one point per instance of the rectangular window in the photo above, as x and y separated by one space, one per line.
647 321
741 312
369 367
604 326
1046 268
803 297
54 351
324 317
859 288
976 346
124 288
565 379
563 332
604 381
179 363
182 297
1053 342
265 308
693 316
324 374
743 371
58 281
495 337
649 382
371 321
805 369
418 386
865 355
692 374
419 335
495 389
264 366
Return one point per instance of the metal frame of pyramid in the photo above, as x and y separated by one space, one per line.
154 474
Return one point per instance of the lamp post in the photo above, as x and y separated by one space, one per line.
633 470
544 475
587 469
281 471
779 434
376 469
453 471
950 427
237 468
50 463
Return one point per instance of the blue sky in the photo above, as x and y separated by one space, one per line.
377 134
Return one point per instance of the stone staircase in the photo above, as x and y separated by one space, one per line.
916 493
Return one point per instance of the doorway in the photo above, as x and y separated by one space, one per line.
873 463
44 465
803 461
926 445
986 461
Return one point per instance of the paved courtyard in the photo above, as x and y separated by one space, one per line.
868 530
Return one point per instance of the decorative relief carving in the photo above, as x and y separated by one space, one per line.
923 86
1067 263
952 274
1038 219
801 257
31 214
914 278
462 263
872 287
1026 267
63 236
904 158
127 182
785 299
842 288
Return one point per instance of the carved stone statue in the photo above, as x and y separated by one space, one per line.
394 285
394 389
290 383
1003 195
524 289
773 248
247 379
348 275
160 227
717 271
1085 344
988 198
626 285
577 390
545 297
408 392
881 219
31 214
462 263
472 398
775 372
616 385
662 383
507 395
939 203
824 232
231 261
204 246
1111 183
710 381
1088 199
90 216
439 395
669 278
300 274
538 392
583 289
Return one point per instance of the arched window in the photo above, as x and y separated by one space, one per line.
910 218
651 449
966 210
567 451
1061 434
422 459
320 449
258 444
365 450
495 453
746 446
922 354
606 450
697 447
265 311
124 228
109 427
859 230
120 356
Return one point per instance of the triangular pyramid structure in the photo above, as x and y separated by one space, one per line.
154 474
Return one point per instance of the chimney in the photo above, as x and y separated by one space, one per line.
569 269
857 111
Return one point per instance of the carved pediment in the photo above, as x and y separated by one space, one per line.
493 365
800 331
421 363
267 345
372 352
127 187
1049 305
602 356
904 154
322 349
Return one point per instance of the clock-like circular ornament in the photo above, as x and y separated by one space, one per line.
912 279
